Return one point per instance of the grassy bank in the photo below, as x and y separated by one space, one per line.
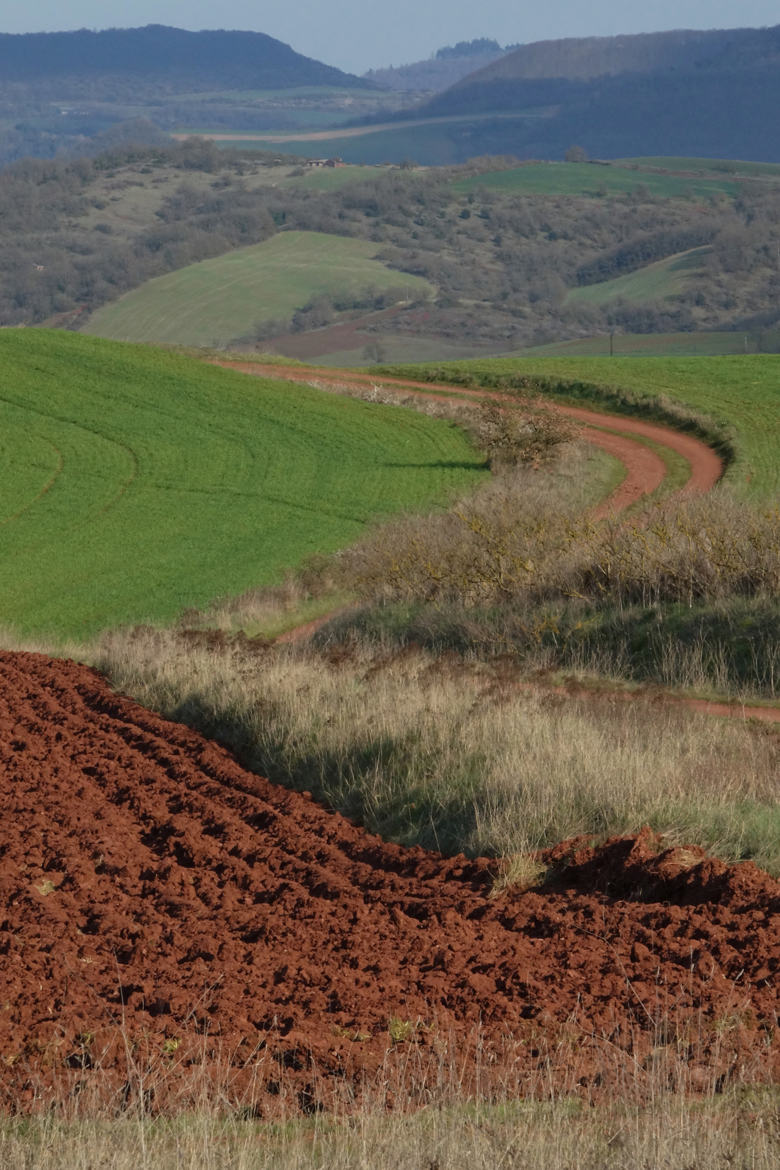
736 1132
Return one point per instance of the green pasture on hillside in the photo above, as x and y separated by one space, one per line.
692 344
741 393
330 178
718 166
135 482
664 278
215 301
562 178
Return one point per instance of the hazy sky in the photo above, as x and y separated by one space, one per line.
361 34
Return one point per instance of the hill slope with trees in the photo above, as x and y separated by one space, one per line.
59 92
441 70
514 262
201 61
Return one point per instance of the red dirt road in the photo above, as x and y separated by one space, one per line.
645 470
162 907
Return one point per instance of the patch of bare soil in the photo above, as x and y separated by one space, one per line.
163 909
343 335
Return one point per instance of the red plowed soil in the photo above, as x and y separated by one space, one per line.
162 906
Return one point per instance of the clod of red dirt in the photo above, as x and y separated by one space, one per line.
164 910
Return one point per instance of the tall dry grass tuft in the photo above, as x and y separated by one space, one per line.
736 1130
458 756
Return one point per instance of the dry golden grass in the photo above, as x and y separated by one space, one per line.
659 1115
737 1132
459 756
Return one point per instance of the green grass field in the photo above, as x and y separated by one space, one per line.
136 482
421 144
645 345
739 392
717 166
557 178
330 178
217 300
658 281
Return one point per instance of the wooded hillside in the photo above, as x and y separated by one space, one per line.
205 60
701 93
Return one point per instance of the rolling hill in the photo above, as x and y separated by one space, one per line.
73 92
156 54
661 280
704 93
440 71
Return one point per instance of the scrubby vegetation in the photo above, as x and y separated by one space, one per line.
512 544
510 269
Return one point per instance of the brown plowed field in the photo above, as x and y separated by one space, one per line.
163 908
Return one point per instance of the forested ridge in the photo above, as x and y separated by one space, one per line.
712 93
70 92
202 60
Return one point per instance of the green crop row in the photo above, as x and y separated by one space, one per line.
217 300
136 482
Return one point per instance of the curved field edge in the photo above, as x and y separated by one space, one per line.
656 460
732 402
453 756
153 482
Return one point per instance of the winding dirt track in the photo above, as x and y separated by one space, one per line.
163 909
645 471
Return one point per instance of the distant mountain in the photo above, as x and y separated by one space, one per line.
195 61
704 93
447 66
588 58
